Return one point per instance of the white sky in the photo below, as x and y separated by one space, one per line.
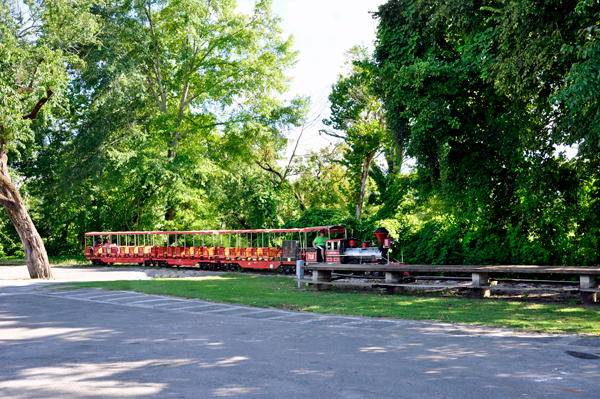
323 31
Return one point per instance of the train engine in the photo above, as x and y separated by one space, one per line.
348 251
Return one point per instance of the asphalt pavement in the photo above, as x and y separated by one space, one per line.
102 344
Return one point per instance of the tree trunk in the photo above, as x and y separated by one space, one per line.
363 183
36 257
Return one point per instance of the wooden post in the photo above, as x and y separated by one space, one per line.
300 272
588 281
322 275
481 280
394 278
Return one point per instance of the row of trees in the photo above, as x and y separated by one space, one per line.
484 95
168 115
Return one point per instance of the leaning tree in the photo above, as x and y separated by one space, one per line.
40 42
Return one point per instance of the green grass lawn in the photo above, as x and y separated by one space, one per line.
282 293
66 260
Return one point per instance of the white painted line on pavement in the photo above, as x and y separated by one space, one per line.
286 315
195 306
107 295
150 300
125 297
219 310
164 304
76 295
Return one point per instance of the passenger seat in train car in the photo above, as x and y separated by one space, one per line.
278 253
238 254
148 251
209 253
243 255
266 254
186 253
198 252
231 253
254 254
272 253
177 252
221 253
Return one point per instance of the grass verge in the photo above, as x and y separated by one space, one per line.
282 293
66 260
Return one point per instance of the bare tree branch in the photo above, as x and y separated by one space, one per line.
36 109
331 133
269 168
163 104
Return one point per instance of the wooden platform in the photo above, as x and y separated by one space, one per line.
481 285
533 269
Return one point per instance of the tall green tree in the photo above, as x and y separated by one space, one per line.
110 163
40 43
208 65
358 118
470 90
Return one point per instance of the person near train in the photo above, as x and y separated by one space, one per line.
98 243
113 247
319 244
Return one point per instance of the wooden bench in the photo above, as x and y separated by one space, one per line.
480 276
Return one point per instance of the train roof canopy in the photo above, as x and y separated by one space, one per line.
330 229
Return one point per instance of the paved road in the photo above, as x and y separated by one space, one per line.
99 344
11 276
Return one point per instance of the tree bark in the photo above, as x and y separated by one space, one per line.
363 183
36 257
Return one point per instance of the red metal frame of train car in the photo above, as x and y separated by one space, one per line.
251 249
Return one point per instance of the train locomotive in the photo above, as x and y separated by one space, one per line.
352 251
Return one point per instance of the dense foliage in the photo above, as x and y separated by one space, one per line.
452 135
484 95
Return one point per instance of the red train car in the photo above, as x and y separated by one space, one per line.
211 249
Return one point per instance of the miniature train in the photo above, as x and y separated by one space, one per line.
278 249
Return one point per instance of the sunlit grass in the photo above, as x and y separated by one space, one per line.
282 293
